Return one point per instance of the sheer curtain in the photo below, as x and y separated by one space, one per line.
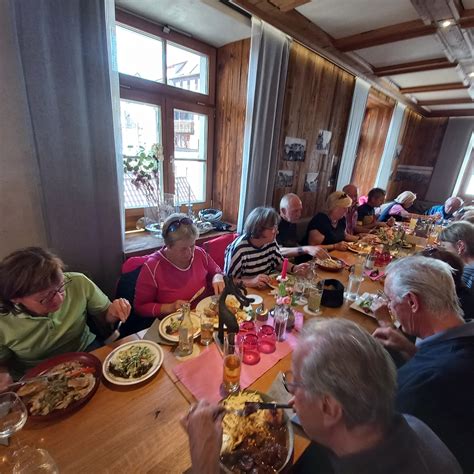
390 146
269 53
359 101
64 50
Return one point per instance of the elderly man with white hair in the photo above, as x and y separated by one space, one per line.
446 211
436 384
343 385
291 208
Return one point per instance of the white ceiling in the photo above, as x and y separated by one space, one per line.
350 17
207 20
415 79
425 47
437 95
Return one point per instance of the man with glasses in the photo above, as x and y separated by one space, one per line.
436 382
343 385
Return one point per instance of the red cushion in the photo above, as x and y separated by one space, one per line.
216 247
133 262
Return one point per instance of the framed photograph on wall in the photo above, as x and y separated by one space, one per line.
323 141
310 182
284 179
295 149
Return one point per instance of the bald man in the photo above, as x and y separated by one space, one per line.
446 210
290 213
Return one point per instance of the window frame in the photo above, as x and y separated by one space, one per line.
169 97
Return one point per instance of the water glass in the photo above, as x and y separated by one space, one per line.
34 461
353 286
280 318
266 339
299 288
207 329
13 414
314 296
232 363
250 354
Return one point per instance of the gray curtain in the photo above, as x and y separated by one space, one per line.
269 54
64 48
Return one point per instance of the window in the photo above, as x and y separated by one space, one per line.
167 114
464 187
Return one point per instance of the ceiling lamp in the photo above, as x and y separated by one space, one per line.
471 74
446 23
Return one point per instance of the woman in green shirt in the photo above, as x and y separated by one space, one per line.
43 311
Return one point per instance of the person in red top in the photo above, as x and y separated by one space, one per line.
173 274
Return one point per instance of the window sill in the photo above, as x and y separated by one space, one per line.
140 242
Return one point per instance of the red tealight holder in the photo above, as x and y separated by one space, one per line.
251 355
247 326
266 339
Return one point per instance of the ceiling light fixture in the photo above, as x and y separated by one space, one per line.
471 74
446 23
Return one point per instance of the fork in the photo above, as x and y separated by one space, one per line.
252 407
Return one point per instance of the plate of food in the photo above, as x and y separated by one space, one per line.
70 381
274 282
363 304
359 247
133 362
330 264
169 326
259 442
205 306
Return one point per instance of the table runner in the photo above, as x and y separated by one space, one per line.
202 376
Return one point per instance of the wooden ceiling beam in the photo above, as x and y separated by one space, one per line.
388 34
467 100
287 5
467 18
433 87
310 35
415 66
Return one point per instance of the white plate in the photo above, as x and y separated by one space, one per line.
155 348
257 299
175 337
204 303
356 306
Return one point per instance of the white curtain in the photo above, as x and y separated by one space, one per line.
64 50
359 102
269 53
389 150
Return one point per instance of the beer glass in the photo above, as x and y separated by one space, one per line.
232 363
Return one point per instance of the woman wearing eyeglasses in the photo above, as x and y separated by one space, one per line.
173 274
328 229
43 310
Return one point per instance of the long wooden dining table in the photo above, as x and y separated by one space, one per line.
136 429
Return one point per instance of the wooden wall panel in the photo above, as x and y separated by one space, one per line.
231 97
421 140
318 97
372 139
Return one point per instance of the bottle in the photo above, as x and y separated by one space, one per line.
186 332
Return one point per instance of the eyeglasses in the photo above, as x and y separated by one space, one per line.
175 225
288 382
50 296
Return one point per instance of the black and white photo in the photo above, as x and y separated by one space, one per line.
295 149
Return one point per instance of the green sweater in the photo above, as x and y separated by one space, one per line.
27 340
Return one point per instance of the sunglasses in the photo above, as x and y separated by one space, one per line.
175 225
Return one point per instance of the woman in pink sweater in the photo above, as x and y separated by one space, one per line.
173 274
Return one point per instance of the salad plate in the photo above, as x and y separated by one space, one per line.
363 304
169 326
133 362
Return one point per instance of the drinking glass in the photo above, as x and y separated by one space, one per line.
315 293
232 363
299 288
247 326
266 339
13 414
353 286
250 354
34 461
207 329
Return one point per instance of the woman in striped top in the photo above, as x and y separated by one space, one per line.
255 254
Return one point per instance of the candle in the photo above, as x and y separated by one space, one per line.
284 268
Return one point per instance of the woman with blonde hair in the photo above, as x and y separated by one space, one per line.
328 229
173 274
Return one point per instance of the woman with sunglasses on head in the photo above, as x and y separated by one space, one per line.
328 229
43 310
172 275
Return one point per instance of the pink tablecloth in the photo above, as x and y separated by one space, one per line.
202 376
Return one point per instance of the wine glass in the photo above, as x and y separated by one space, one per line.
13 414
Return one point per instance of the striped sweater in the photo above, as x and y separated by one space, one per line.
243 260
